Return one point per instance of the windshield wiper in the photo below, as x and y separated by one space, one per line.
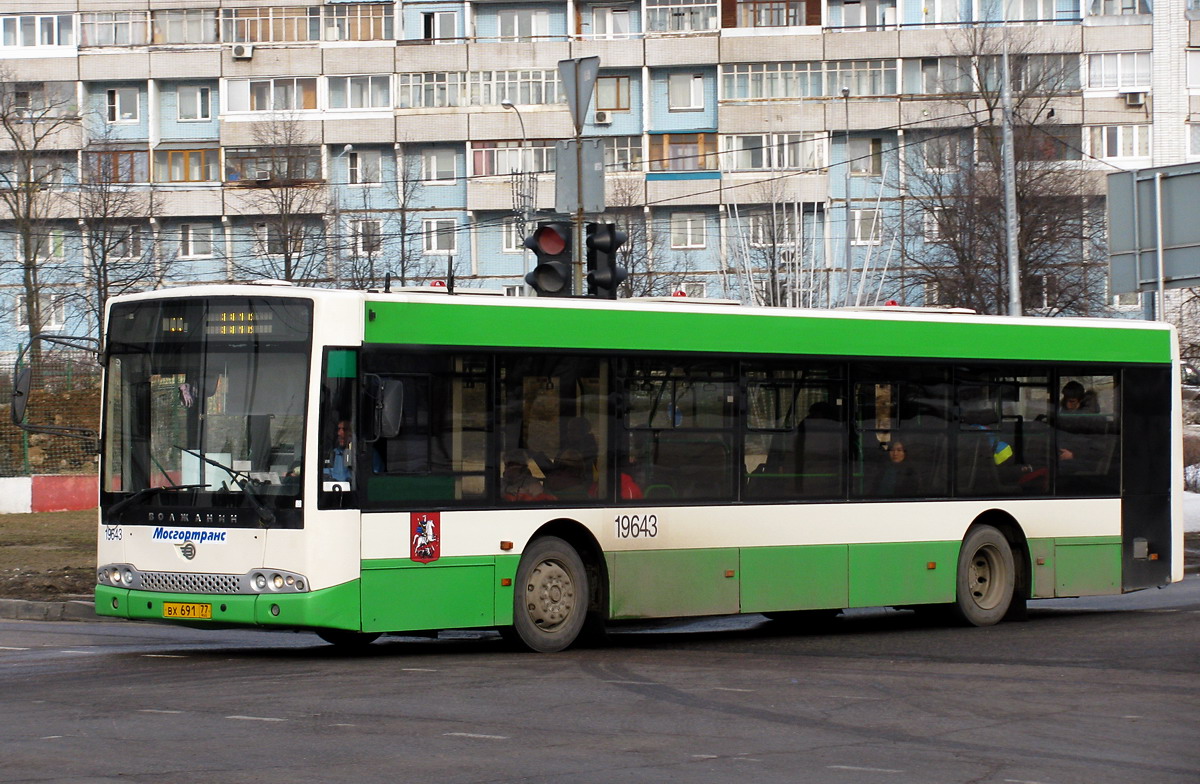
144 493
244 481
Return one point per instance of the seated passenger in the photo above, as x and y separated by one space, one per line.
570 477
517 482
898 477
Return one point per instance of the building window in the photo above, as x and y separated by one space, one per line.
506 157
1120 141
366 236
867 227
524 88
685 92
612 94
764 151
623 153
1194 139
772 229
440 235
941 152
683 152
432 90
695 289
362 167
52 308
273 163
1119 7
1115 70
124 242
272 239
121 105
272 95
186 166
438 166
113 28
863 77
360 92
37 30
941 75
48 244
866 156
270 24
512 239
679 16
772 13
195 240
933 218
523 24
197 26
359 22
195 103
439 26
688 231
116 166
610 23
771 81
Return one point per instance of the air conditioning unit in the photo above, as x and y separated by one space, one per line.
603 118
1135 100
243 51
262 175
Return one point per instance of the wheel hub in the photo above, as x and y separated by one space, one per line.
551 595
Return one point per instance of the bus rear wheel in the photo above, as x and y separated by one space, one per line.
986 577
550 596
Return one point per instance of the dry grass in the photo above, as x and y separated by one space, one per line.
48 555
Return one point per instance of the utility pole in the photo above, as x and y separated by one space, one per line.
1010 183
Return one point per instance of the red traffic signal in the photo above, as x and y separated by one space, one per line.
551 244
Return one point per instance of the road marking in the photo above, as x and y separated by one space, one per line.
632 683
10 648
341 725
475 735
1133 717
416 669
865 770
254 718
163 656
84 653
1022 781
728 688
50 737
155 710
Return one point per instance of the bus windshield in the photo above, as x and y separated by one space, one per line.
204 410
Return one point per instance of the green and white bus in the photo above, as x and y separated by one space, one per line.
358 463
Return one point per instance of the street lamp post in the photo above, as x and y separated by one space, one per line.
523 184
849 224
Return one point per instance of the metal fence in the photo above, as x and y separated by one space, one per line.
65 392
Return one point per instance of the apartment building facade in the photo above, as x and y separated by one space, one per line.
762 150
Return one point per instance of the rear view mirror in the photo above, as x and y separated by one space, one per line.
57 370
385 406
20 394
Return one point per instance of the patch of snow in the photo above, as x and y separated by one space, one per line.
1191 512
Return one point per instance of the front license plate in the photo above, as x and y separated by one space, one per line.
186 610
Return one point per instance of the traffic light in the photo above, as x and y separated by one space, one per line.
551 243
604 274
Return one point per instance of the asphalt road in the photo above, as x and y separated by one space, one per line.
1087 691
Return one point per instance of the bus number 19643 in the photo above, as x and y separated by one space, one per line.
636 526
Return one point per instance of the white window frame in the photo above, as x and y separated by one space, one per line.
118 102
267 235
48 30
375 90
692 85
1123 70
114 28
125 241
694 289
866 156
440 236
239 93
433 166
193 234
197 99
1118 7
522 24
54 311
364 232
441 27
611 24
184 26
689 230
946 157
1193 130
872 220
511 238
1102 137
931 224
363 168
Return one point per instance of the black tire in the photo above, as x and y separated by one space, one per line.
801 619
550 596
347 640
986 577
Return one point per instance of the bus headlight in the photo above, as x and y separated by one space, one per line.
260 581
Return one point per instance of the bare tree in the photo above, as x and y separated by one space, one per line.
649 276
119 254
287 203
955 248
39 126
770 245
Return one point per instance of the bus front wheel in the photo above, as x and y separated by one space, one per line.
550 596
986 577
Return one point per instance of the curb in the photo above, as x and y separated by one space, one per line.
73 610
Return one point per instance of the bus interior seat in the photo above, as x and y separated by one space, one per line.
694 465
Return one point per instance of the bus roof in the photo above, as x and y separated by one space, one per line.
430 319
